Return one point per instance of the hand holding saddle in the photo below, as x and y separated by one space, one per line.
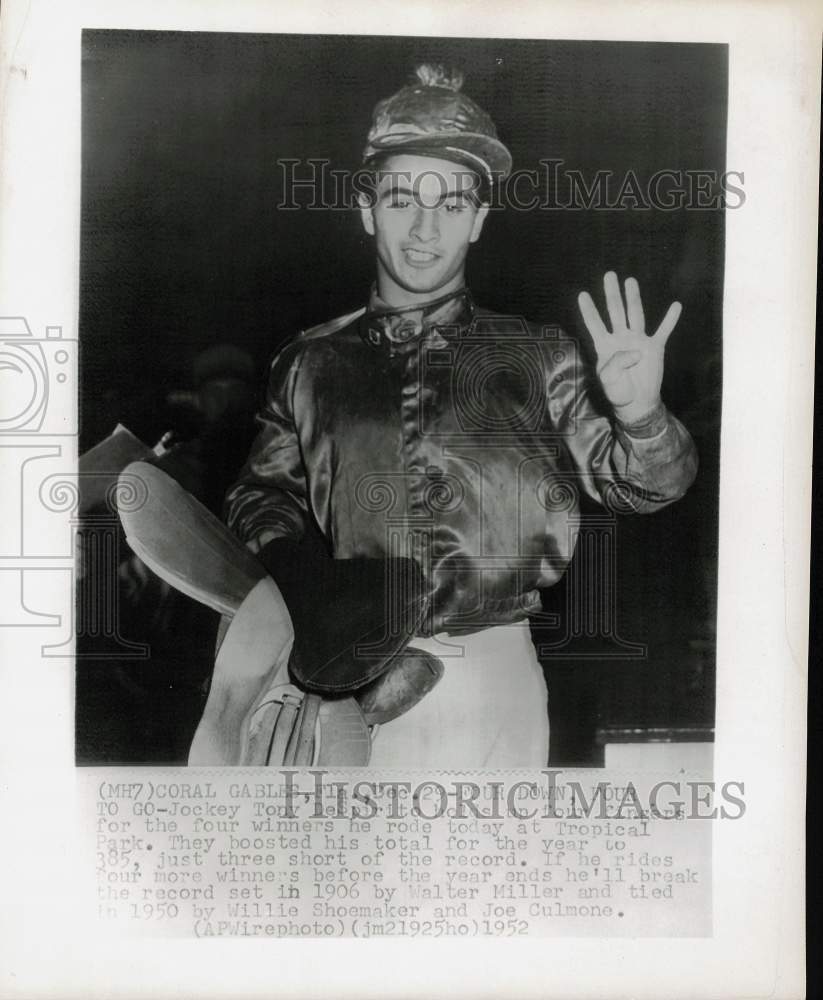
338 627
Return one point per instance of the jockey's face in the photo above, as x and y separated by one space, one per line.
423 217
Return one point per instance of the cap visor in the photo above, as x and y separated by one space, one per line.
482 153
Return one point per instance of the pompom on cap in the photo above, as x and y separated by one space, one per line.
435 75
432 117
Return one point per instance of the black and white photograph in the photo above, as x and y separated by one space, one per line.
411 349
406 428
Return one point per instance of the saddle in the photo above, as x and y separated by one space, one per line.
312 652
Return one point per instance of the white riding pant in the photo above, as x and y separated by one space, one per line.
489 710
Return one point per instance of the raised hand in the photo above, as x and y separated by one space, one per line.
629 361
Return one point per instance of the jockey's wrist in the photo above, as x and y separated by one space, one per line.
643 424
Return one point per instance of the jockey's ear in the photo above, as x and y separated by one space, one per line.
366 206
479 219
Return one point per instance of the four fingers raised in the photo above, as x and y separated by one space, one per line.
622 319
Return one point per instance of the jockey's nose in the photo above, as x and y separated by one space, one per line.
425 227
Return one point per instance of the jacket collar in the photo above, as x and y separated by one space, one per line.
399 331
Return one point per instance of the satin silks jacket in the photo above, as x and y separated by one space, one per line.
461 438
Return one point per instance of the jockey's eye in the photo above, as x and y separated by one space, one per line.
455 205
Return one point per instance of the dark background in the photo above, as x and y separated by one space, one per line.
183 247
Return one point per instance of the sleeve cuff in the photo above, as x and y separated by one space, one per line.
653 424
